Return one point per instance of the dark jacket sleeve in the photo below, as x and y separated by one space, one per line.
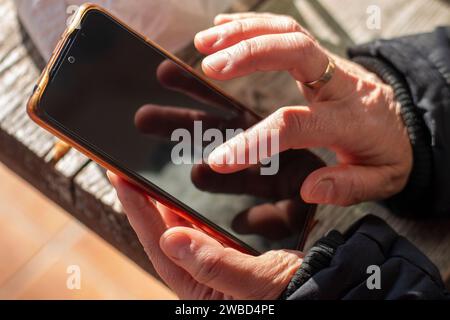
418 69
339 267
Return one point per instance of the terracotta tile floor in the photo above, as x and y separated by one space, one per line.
39 241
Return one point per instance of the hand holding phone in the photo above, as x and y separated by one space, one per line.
120 99
195 265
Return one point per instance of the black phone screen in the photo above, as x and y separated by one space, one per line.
129 103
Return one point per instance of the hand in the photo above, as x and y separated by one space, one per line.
196 266
354 114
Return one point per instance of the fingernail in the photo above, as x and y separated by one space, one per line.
110 176
323 191
177 245
219 18
208 37
219 156
218 61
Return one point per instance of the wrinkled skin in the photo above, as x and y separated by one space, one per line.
354 114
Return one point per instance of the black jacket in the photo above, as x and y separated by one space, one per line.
340 266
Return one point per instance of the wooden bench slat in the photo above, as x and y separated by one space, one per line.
15 86
60 179
93 180
72 163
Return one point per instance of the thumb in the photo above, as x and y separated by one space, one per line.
229 271
347 184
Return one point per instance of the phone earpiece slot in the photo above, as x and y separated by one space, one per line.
63 55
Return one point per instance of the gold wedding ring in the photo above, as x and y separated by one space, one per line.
324 79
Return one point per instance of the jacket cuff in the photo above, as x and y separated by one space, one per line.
341 270
410 200
317 259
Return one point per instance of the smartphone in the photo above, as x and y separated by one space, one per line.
120 99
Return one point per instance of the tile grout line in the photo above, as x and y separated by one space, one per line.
42 260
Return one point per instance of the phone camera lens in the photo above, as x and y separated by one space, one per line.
71 59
